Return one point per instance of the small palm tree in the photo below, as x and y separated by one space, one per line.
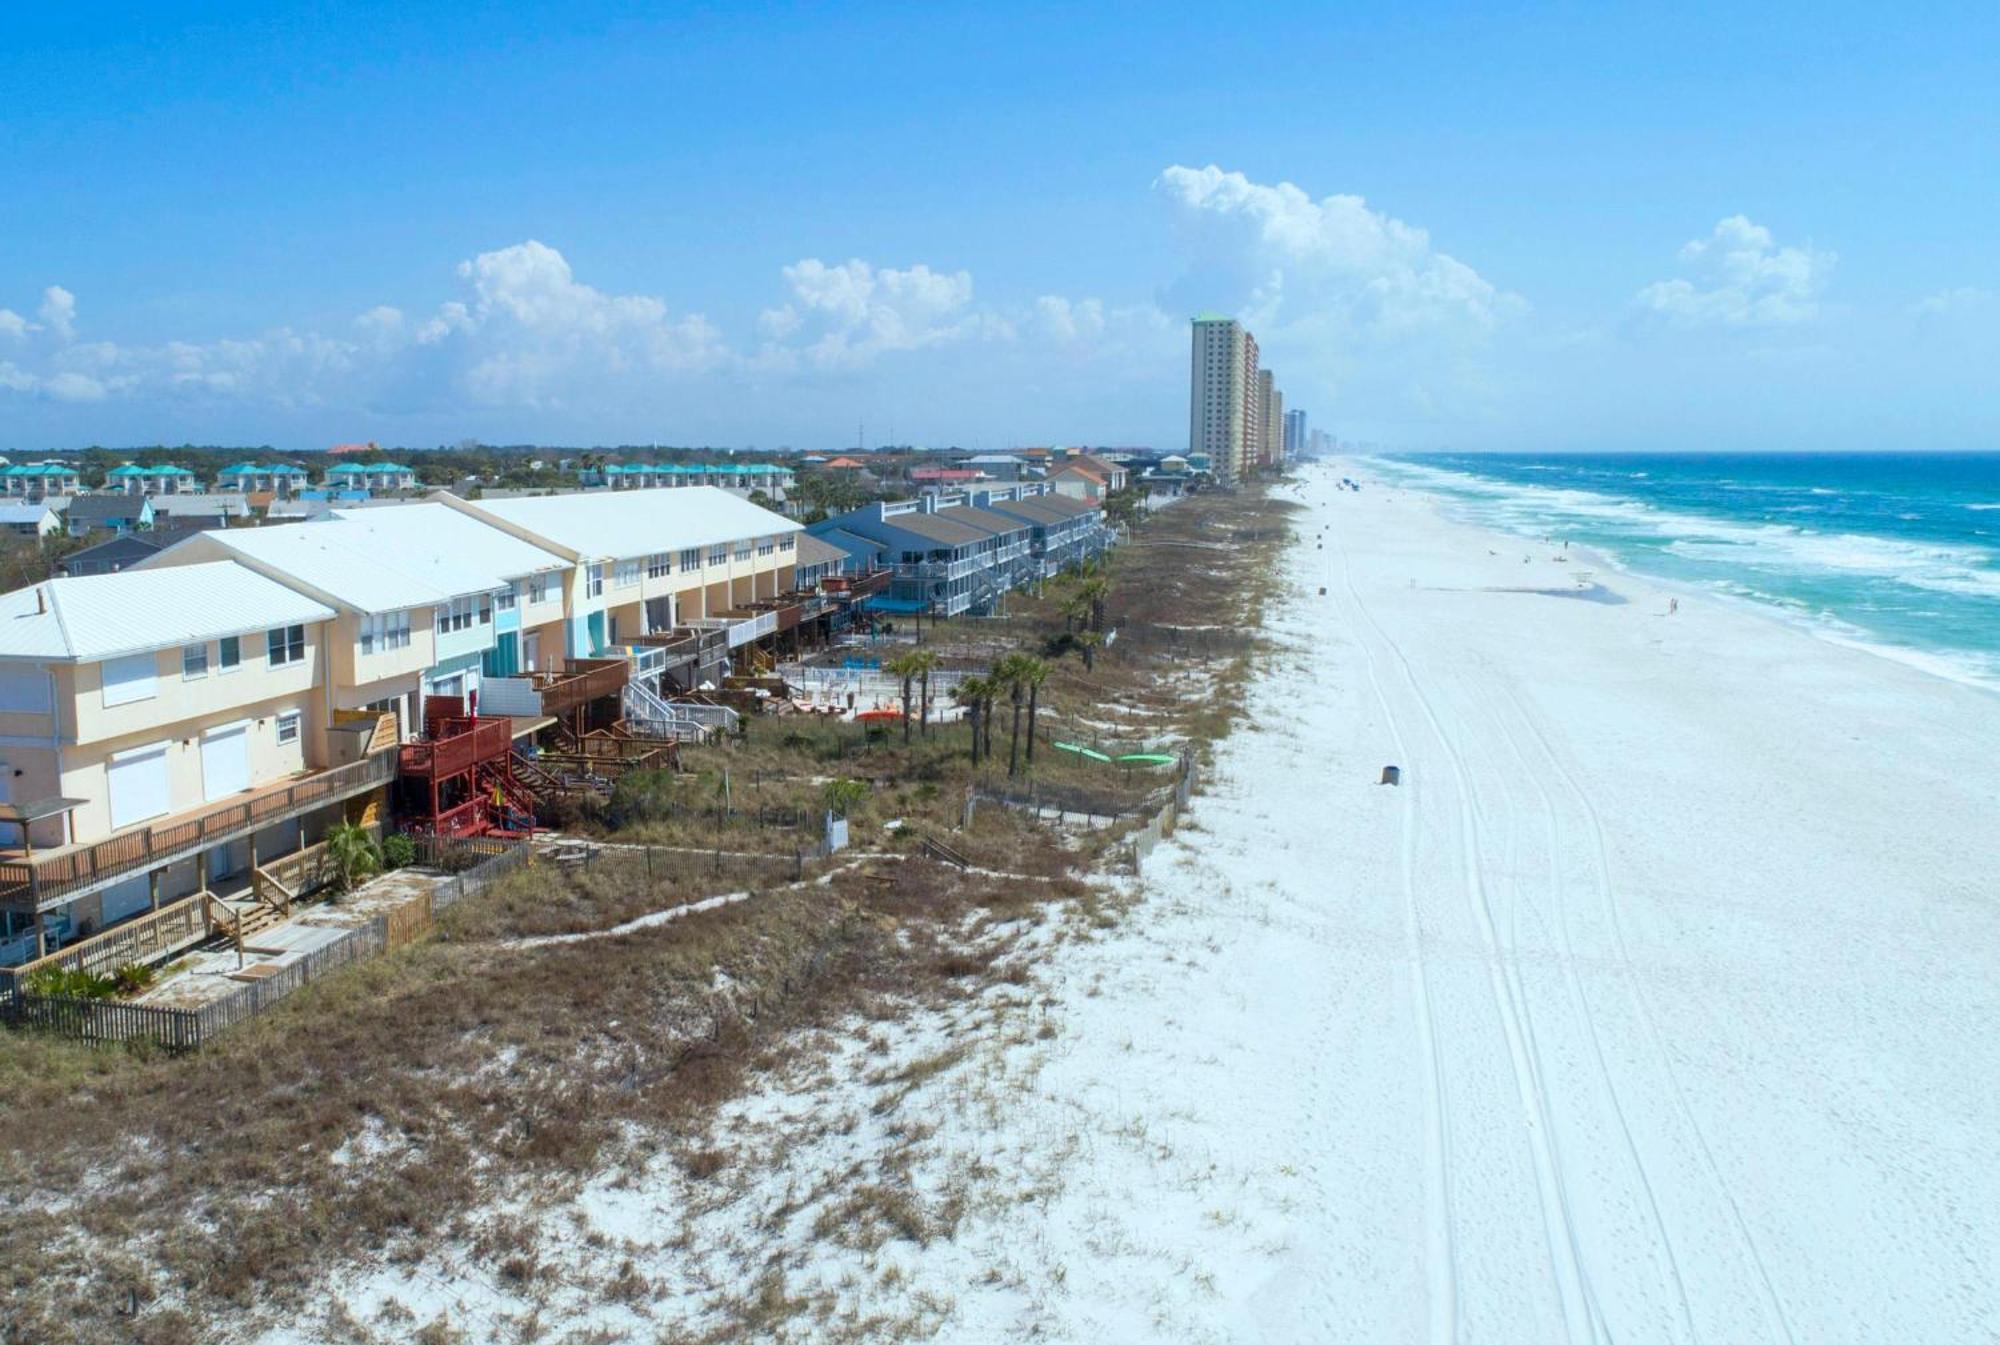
842 795
972 693
352 852
1089 641
1011 674
903 666
925 661
1034 672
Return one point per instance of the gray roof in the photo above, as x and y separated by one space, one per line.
937 528
985 520
221 504
813 551
104 508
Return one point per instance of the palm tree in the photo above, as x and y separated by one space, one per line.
1034 672
925 661
904 666
1011 674
352 852
972 692
1094 591
1075 609
1088 641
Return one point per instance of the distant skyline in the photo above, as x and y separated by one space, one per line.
1552 229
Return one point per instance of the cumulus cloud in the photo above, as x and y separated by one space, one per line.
1279 257
1740 277
58 312
847 314
13 326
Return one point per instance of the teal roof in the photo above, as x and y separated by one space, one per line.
38 469
356 469
276 468
166 470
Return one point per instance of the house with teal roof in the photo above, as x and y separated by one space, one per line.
159 479
39 480
283 479
373 476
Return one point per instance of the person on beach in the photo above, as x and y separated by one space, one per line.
1673 606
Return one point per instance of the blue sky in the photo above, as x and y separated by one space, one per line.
1526 227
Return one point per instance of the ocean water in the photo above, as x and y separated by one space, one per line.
1896 551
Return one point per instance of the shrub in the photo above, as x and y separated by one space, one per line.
397 851
70 983
132 978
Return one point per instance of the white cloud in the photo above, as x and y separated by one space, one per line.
1741 278
13 326
58 312
850 313
1945 303
1277 257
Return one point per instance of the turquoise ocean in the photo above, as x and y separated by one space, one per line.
1896 551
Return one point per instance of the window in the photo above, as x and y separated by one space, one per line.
718 555
691 558
503 601
594 586
658 565
486 609
194 661
787 542
288 726
538 587
285 644
457 614
627 574
743 549
133 678
229 652
385 630
766 546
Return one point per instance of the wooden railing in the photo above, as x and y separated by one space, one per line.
457 752
584 680
50 879
140 939
857 585
385 732
271 892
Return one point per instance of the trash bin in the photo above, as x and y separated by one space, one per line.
1392 775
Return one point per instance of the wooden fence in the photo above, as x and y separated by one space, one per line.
176 1030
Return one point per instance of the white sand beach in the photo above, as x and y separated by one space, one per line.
1657 1003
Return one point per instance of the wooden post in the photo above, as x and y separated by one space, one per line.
153 883
41 933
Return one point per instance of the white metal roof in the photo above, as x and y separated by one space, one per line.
622 524
384 560
92 617
23 513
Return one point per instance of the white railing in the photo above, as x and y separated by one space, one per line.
653 717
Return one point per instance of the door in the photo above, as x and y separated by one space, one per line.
138 785
225 761
531 651
594 624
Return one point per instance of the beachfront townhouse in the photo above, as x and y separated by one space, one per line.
373 476
743 477
164 479
39 480
162 734
1065 532
946 555
419 592
282 479
643 562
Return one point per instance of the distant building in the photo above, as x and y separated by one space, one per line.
281 479
111 511
39 480
29 520
998 466
200 511
114 554
1295 433
160 480
371 476
1224 396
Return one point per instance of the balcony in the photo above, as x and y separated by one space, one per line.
32 881
464 744
532 695
858 586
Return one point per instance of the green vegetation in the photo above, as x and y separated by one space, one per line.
353 854
398 851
